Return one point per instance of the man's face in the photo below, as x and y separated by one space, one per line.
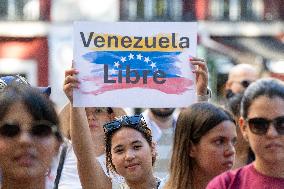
238 81
162 112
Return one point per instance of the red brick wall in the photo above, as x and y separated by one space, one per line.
28 48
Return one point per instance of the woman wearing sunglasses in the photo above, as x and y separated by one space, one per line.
262 125
203 146
29 137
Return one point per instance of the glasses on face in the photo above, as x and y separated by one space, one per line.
124 120
40 129
244 83
260 125
98 110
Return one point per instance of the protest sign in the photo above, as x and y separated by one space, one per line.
131 64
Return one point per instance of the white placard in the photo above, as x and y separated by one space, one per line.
135 64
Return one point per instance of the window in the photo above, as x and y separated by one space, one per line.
14 10
235 10
151 10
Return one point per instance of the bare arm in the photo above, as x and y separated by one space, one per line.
90 171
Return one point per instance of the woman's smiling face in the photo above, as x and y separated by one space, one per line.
131 154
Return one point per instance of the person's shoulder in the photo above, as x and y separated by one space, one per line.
147 118
226 179
221 181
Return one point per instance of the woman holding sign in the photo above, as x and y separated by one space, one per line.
90 171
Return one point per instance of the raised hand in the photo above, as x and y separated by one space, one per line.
70 82
201 72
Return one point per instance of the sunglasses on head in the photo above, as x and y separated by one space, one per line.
39 129
124 121
17 79
21 79
260 125
3 84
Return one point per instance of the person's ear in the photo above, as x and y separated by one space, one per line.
192 150
228 85
243 128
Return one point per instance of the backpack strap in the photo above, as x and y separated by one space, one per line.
60 165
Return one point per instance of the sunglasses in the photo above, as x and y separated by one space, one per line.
3 84
260 125
17 79
21 79
98 110
124 121
245 83
40 129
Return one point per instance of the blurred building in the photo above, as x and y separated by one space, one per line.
63 14
23 39
229 31
36 36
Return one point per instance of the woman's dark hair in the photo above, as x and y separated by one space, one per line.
140 126
263 87
192 124
37 104
233 104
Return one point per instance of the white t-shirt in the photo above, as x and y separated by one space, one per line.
125 186
69 176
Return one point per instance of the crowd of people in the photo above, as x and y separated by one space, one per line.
238 146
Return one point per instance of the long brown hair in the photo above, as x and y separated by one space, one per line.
193 123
